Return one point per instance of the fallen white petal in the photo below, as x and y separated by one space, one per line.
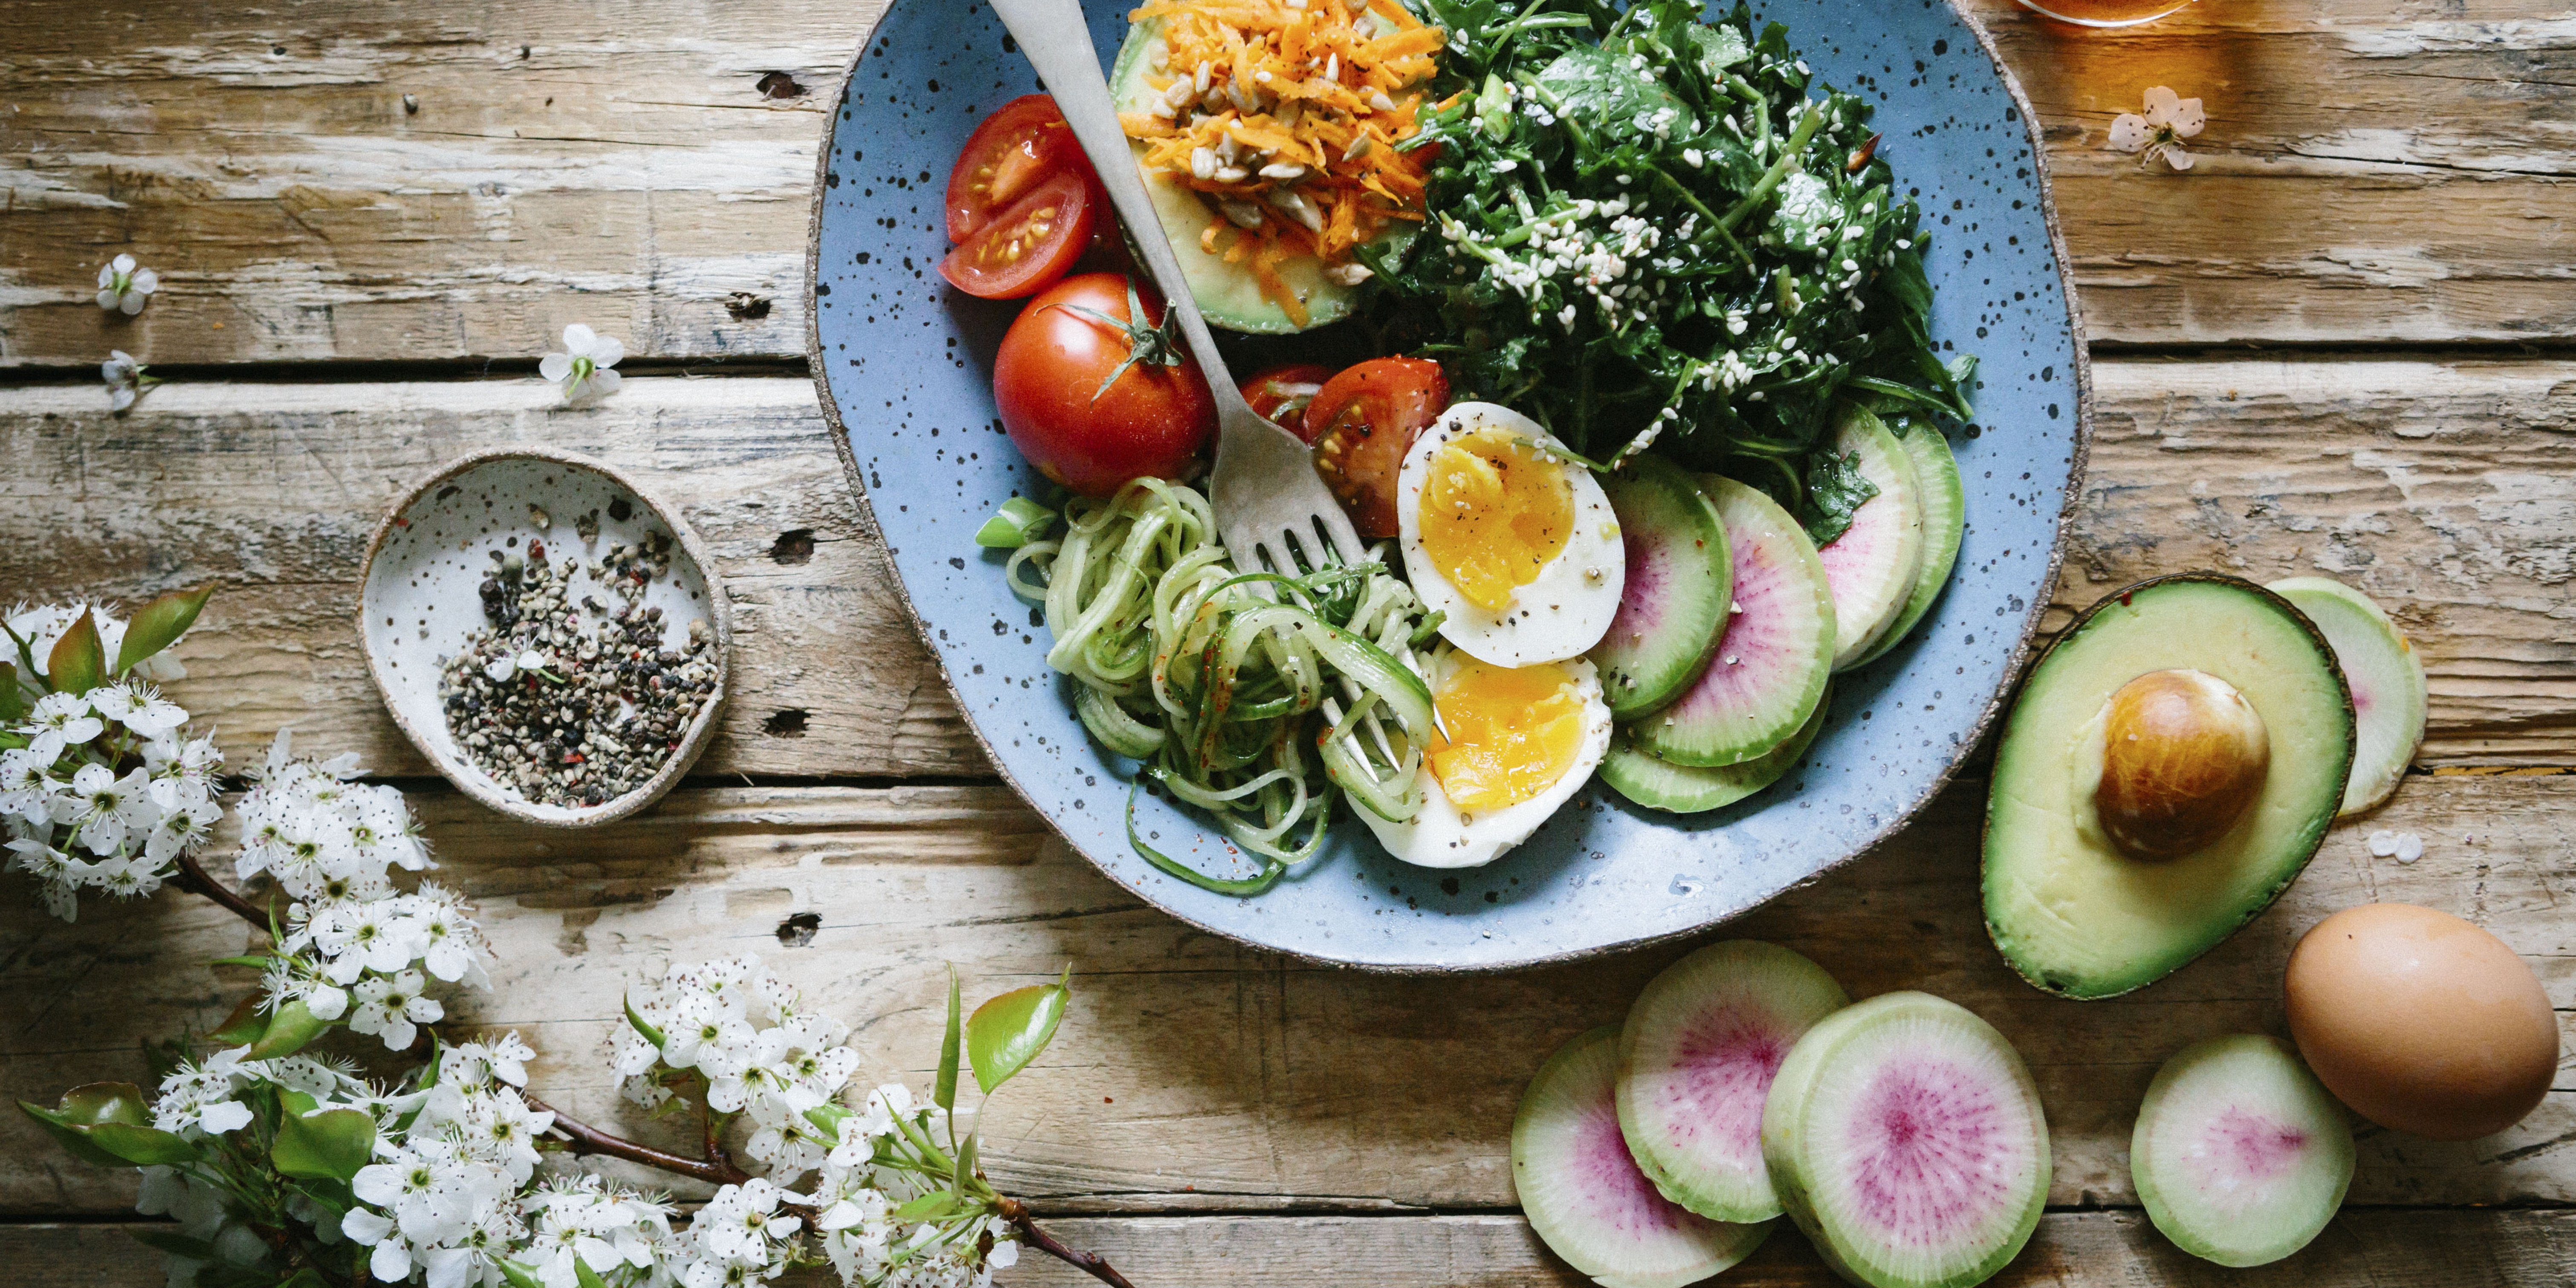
2383 843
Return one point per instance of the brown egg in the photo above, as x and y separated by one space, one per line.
2421 1021
2183 755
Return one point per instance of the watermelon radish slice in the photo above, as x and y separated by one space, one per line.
2387 679
1695 1060
1872 565
1945 520
1681 789
1905 1138
1584 1195
2240 1155
1673 603
1768 672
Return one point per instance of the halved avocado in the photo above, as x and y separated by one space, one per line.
2077 916
1228 294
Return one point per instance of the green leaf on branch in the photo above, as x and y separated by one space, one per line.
584 1276
160 624
86 1107
827 1120
77 664
308 1277
1009 1031
289 1031
256 961
930 1207
946 1094
13 704
143 1146
331 1145
963 1180
244 1026
518 1274
651 1034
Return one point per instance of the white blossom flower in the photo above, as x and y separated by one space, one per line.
111 807
125 288
390 1007
138 707
2160 132
125 379
583 368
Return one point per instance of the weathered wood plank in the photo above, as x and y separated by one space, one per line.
359 182
2438 487
1199 1074
2364 1248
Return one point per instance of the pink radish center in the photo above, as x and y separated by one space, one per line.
1723 1065
1850 558
1619 1195
1748 650
2242 1146
1924 1144
1641 601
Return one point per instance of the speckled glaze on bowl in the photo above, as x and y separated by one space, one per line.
903 365
419 599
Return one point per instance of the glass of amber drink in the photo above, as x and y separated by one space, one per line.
2107 13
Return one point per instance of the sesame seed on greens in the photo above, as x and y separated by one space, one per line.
1646 229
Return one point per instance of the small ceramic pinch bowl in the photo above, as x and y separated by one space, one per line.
421 598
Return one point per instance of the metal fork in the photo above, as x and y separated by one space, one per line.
1270 506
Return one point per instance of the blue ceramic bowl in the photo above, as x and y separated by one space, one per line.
903 364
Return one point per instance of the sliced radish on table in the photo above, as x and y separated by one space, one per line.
2240 1155
1673 605
1872 565
2387 679
1583 1193
1768 672
1695 1061
1905 1138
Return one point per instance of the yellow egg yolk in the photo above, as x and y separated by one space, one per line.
1494 511
1511 732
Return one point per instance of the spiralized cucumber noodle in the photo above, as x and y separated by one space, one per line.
1258 697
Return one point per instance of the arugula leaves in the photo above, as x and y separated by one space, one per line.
1637 218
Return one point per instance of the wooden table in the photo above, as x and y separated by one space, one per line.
2338 346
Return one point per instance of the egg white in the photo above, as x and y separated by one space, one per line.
1561 614
1439 835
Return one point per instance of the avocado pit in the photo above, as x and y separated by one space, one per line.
2183 756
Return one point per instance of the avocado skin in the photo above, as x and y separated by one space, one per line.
2297 849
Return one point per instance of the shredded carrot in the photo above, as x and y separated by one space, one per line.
1315 92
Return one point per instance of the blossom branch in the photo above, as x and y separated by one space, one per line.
1090 1263
586 1139
196 880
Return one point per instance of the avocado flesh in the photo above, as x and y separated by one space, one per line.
2080 919
1228 295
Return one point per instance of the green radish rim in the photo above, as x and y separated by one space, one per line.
1945 523
1728 717
1684 789
2389 697
1669 525
1869 597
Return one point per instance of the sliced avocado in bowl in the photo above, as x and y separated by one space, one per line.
1228 295
2170 766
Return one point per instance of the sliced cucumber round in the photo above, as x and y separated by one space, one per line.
1583 1194
1673 603
1945 521
1228 294
1696 1058
1905 1137
1768 672
2240 1155
1682 789
2389 700
1872 565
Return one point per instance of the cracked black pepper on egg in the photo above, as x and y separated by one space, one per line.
567 699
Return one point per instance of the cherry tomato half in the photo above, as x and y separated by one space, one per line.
1026 248
1151 421
1362 422
1280 395
1016 148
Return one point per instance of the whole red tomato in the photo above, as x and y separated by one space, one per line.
1151 420
1362 422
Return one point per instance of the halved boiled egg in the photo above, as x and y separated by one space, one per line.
1509 539
1513 745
